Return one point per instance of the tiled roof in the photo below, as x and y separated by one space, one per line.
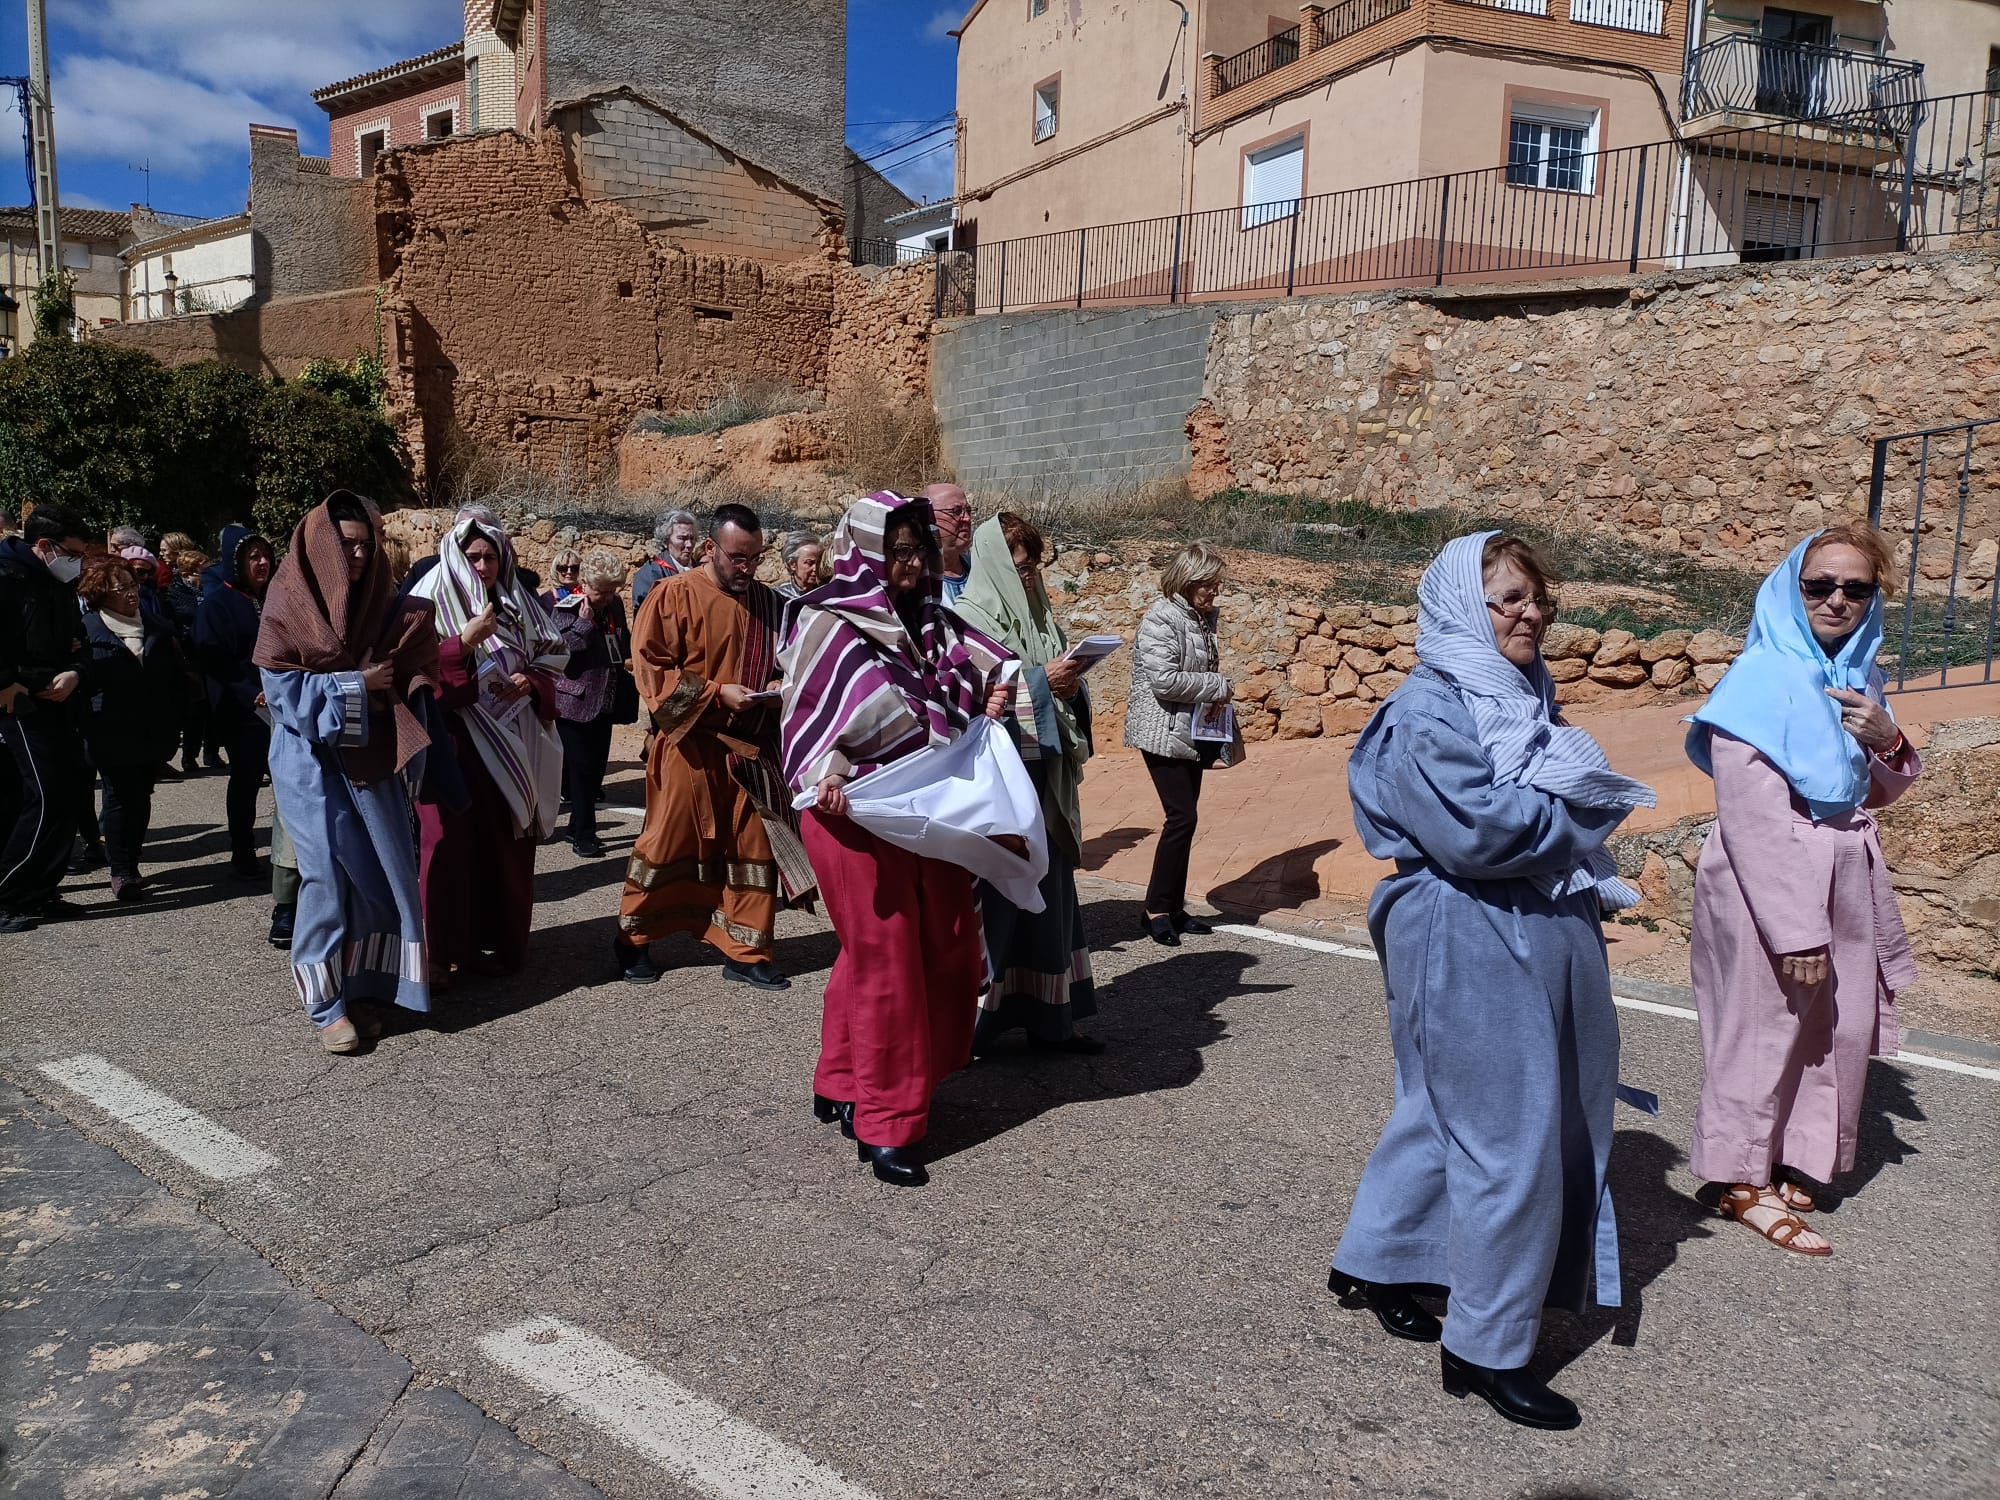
78 223
409 65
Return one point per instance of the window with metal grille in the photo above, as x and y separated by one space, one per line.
1779 226
1273 182
1550 147
1047 97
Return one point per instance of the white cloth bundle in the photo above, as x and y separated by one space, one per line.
948 802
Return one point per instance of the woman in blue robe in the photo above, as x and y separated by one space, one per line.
1489 1179
341 658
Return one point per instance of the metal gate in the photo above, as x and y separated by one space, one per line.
1936 493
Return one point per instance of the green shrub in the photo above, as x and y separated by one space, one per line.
124 440
308 444
81 425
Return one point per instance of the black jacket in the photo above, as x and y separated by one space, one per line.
181 604
225 629
131 704
41 626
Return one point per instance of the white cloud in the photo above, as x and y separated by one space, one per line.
109 110
942 24
279 50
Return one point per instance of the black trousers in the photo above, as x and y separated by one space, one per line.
249 746
586 754
197 726
41 761
128 813
1178 783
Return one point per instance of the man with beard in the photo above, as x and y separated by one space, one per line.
718 844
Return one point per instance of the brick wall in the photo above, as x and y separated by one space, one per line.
271 338
404 120
684 187
1097 400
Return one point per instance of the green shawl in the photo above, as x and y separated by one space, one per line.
997 604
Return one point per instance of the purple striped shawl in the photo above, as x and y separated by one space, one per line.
860 690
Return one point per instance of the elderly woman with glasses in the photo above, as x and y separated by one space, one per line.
1489 1179
1797 948
803 551
567 568
1177 690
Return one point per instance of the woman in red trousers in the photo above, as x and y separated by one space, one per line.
876 668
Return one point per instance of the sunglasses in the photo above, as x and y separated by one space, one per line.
566 572
1817 589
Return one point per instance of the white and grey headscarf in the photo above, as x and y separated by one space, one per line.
1514 712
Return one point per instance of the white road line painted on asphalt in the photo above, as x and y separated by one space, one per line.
167 1123
689 1436
1626 1002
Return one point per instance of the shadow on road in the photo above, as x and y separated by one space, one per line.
1655 1218
1154 1021
1279 883
1886 1099
1100 849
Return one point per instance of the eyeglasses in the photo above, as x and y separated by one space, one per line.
1818 589
908 553
1513 604
569 570
1028 572
359 548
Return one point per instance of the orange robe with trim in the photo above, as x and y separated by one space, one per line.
703 863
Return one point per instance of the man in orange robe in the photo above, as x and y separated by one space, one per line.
704 651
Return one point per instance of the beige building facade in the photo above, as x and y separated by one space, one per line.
1508 126
91 241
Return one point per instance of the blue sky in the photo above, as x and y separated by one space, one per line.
176 83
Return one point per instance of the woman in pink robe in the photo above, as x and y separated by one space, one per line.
1797 948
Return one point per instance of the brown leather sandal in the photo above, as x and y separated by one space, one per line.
1740 1199
1794 1197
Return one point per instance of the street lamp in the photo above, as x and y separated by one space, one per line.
173 282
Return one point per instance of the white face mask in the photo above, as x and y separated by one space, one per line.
64 568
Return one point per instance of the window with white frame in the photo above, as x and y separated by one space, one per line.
1273 182
438 123
369 144
1552 146
1048 99
472 93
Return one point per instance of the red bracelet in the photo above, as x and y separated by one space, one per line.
1896 748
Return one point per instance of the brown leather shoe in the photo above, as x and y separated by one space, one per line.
340 1037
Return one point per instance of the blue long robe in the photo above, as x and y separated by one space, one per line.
359 932
1489 1177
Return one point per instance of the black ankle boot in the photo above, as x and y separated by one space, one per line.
635 963
1394 1308
1515 1394
896 1165
826 1111
282 918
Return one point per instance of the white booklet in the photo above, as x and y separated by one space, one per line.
1214 722
1092 649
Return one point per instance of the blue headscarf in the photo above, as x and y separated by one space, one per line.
1774 696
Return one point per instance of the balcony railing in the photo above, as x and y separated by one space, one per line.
1797 81
1774 191
1280 51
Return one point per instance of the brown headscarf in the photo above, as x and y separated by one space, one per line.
316 621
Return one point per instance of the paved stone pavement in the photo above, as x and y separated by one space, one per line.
1114 1285
145 1350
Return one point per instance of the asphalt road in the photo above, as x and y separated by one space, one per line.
1114 1284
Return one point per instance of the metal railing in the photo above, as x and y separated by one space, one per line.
1796 81
1648 17
1937 492
1267 56
885 253
1778 192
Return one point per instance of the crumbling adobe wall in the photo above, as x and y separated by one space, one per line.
534 323
266 338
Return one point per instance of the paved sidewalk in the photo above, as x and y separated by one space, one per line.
146 1351
1277 833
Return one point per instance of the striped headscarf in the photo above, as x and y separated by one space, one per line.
1514 712
519 750
862 687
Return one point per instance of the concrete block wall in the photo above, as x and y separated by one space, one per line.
682 187
1090 400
